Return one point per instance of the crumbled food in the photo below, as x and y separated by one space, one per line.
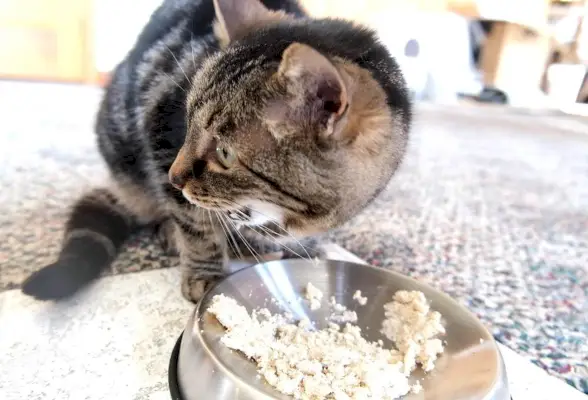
336 306
344 316
359 298
314 296
340 313
414 328
336 362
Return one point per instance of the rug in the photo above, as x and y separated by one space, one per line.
490 206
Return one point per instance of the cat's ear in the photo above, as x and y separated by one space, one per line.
314 80
237 17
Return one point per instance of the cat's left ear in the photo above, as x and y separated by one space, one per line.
319 89
237 17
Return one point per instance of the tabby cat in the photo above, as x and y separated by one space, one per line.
240 115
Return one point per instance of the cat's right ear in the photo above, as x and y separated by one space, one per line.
236 18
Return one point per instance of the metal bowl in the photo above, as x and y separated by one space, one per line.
202 368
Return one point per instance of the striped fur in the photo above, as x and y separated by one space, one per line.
190 85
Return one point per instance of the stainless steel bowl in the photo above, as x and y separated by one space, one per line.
470 368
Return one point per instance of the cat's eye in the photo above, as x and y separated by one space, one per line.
225 156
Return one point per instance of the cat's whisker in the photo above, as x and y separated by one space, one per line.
177 62
237 247
303 247
228 235
272 232
173 80
224 231
210 219
231 242
201 212
287 236
280 244
249 247
192 49
245 242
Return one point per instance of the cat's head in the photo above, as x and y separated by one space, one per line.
297 121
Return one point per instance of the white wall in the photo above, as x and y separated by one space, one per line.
117 24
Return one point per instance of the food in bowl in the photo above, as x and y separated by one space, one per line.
314 296
336 362
362 300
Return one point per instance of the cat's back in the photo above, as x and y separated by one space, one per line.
159 48
173 42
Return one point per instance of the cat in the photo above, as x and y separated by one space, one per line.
244 117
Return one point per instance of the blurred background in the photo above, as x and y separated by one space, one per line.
529 53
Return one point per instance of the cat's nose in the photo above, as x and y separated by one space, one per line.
185 168
179 175
178 179
180 171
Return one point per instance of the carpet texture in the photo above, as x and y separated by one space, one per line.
491 206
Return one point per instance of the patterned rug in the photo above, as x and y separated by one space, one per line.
491 206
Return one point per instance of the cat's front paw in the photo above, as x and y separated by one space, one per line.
60 280
194 288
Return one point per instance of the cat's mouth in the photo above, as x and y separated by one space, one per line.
240 215
218 205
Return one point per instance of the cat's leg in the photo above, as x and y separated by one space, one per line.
98 224
164 231
202 251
